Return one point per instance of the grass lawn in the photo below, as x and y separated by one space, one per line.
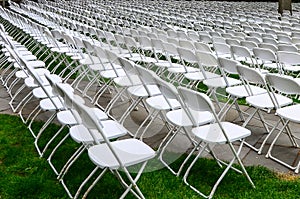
24 175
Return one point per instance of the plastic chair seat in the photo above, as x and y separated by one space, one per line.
212 133
101 67
140 91
47 105
198 76
36 64
159 103
183 70
143 59
112 73
240 91
91 60
126 82
29 57
166 64
30 82
111 129
80 134
126 150
220 82
290 112
180 118
60 50
39 71
264 101
66 118
292 68
270 65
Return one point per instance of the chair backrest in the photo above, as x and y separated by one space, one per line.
146 75
250 75
228 65
287 47
201 46
264 54
289 58
207 59
268 46
231 41
283 84
249 44
221 49
187 44
187 55
240 51
168 90
195 101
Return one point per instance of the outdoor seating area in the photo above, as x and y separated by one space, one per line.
197 75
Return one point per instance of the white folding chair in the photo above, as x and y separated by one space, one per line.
79 133
289 114
260 102
138 93
208 135
226 67
115 156
180 123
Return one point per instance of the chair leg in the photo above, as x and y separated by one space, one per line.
92 185
52 153
46 124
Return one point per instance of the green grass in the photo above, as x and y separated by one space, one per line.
24 175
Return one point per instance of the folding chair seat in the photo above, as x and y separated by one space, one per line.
210 134
260 102
289 62
110 39
178 68
114 156
120 42
159 52
287 115
58 49
146 48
